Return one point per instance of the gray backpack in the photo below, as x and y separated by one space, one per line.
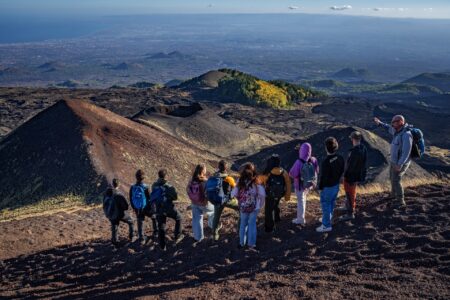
308 176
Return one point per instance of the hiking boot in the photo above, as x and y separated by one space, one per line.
298 222
347 217
322 228
179 238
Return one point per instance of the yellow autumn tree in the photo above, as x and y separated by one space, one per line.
271 95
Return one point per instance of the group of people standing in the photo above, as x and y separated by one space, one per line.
252 192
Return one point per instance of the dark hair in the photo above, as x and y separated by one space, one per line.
115 182
272 162
198 170
248 174
222 166
331 144
162 173
140 175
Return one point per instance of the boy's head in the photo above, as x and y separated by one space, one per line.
140 175
162 174
331 145
115 183
222 166
356 137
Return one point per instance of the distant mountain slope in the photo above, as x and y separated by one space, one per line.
226 85
438 80
75 147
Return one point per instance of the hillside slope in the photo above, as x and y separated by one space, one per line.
75 147
383 253
226 85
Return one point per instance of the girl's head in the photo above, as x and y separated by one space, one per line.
248 174
273 162
200 171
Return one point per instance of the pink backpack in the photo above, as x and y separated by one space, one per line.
196 193
247 201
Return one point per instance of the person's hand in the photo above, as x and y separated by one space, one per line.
377 121
397 168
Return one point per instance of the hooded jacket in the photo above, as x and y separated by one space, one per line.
401 144
120 203
277 172
304 154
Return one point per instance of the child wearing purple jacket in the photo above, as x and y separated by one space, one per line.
295 173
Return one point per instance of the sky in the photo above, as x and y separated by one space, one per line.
382 8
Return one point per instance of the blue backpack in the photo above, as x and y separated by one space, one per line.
214 190
158 196
138 197
418 146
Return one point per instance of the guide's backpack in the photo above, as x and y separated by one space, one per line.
158 196
138 197
110 208
418 145
195 193
308 176
247 201
214 190
276 186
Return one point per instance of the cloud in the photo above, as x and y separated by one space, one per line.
400 9
341 7
428 9
293 7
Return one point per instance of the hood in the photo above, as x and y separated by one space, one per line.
305 151
277 171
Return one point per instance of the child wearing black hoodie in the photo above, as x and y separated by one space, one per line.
163 195
331 172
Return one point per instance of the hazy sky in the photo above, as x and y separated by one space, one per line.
383 8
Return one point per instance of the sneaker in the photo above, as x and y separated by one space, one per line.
322 228
341 209
179 238
252 249
347 217
298 222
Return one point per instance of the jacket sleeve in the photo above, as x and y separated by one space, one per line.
131 195
407 142
147 193
295 169
172 193
261 191
287 180
349 163
364 165
234 191
315 163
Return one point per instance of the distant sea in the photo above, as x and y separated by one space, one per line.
22 29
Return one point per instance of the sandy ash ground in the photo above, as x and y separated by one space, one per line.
383 253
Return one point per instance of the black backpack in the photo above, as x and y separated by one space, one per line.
110 208
276 186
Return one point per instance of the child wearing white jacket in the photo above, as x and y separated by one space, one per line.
251 196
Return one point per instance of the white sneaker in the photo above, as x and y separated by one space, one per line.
298 222
322 228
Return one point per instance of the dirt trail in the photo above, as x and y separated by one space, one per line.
383 253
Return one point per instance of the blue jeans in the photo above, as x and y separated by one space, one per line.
247 228
327 200
197 219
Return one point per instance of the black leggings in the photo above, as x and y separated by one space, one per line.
272 213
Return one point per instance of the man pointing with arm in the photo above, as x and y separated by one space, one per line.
401 146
